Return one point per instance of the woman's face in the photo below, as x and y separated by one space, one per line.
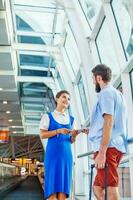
63 101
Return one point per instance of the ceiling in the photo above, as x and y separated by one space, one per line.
22 146
28 51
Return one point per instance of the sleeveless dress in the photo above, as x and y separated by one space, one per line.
58 160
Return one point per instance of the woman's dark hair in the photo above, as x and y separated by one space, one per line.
103 71
60 93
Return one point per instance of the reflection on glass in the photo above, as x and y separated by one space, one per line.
25 72
131 78
61 84
40 3
33 60
106 49
124 181
91 10
30 40
29 34
120 88
45 23
22 25
72 51
83 98
123 15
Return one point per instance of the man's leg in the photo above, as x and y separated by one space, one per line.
98 192
113 193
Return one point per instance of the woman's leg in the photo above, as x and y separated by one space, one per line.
61 196
53 197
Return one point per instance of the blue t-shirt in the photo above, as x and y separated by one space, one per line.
110 101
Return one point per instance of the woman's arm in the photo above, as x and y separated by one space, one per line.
48 134
73 139
75 133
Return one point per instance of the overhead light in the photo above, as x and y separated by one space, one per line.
10 120
14 132
4 102
1 89
8 112
16 158
13 126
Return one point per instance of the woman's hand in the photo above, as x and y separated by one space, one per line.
63 131
74 132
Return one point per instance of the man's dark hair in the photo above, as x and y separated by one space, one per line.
103 71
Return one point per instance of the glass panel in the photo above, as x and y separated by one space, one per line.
60 81
91 10
40 21
60 21
40 3
72 51
22 25
106 49
124 183
30 40
120 87
49 28
131 78
83 98
68 64
123 15
36 60
35 73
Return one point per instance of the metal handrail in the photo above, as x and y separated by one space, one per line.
85 154
130 141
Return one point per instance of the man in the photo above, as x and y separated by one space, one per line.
108 132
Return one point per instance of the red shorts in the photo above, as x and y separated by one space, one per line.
113 157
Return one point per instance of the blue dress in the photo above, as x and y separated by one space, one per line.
58 160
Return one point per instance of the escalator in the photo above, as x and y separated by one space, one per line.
30 189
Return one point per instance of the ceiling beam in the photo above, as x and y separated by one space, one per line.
35 48
37 100
35 34
36 68
47 80
12 146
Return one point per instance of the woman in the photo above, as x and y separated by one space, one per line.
58 160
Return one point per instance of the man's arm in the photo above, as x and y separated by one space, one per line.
107 130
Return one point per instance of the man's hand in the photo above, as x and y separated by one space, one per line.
85 130
74 132
100 161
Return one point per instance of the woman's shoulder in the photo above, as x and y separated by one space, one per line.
45 116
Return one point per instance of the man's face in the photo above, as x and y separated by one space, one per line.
97 86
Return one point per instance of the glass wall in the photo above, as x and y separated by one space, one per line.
83 98
72 50
119 87
105 48
60 81
131 78
91 10
123 15
34 60
124 181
